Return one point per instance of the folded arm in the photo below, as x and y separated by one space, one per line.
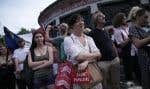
140 42
48 62
33 64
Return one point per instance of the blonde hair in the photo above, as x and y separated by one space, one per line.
64 28
132 13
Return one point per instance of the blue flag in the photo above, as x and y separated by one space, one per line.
11 39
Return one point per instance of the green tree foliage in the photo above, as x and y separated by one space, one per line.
23 31
2 41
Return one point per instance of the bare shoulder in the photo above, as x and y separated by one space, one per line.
49 48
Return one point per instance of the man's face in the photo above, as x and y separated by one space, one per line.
21 44
100 18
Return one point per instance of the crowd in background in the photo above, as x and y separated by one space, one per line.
55 51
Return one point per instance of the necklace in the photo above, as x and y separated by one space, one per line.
40 51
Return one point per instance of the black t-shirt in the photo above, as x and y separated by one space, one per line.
104 43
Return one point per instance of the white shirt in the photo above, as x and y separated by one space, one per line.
73 47
20 54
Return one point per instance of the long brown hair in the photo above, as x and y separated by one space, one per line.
34 44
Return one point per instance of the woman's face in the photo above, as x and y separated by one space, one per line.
143 19
148 14
39 39
79 25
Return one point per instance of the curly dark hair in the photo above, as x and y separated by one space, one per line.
73 19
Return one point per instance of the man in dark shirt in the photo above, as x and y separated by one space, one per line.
110 61
104 43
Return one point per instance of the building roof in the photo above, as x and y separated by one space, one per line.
61 6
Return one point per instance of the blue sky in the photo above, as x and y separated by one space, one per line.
21 13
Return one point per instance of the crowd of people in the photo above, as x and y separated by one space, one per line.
63 62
